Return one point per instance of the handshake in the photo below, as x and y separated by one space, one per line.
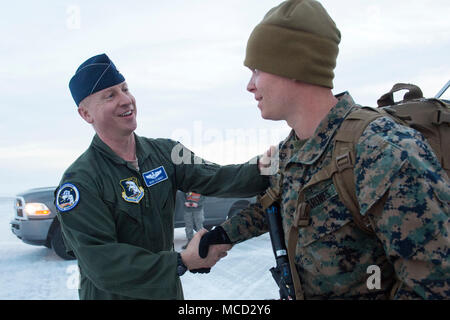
205 250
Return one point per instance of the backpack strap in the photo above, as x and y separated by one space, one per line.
442 121
301 213
272 195
269 198
341 166
343 161
387 99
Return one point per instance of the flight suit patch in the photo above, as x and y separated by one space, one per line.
154 176
67 197
132 192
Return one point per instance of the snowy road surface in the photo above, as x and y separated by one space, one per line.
33 272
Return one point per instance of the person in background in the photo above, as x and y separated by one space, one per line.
193 214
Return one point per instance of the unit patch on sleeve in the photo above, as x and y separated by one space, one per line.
132 192
155 176
67 197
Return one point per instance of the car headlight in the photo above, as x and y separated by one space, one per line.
36 209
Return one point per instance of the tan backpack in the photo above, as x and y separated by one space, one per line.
431 117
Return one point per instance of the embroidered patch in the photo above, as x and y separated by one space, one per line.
155 176
132 192
67 197
323 195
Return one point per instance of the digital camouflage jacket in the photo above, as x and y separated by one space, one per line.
411 243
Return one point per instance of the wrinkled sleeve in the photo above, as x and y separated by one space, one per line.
90 232
414 223
248 223
195 174
251 221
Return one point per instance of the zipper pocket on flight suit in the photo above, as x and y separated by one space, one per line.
148 207
156 211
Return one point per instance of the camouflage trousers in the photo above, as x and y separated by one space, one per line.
193 221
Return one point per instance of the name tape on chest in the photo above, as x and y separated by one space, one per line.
317 199
155 176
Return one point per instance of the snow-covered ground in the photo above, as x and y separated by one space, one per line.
33 272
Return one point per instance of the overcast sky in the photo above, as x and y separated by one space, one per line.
183 61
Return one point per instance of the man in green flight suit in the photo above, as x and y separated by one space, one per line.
116 202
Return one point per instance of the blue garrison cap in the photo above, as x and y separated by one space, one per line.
95 74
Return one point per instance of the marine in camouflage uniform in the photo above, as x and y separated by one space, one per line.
411 242
393 165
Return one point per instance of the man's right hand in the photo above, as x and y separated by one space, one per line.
191 257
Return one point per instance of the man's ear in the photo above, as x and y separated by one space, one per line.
85 114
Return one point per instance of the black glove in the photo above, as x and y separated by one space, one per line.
215 236
201 270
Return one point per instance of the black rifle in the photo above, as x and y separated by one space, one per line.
282 272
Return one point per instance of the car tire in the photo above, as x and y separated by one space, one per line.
58 245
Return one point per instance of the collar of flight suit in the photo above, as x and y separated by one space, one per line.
309 151
141 151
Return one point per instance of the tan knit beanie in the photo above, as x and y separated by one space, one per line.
297 40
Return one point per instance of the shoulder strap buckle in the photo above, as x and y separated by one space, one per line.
442 117
269 198
301 218
344 162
